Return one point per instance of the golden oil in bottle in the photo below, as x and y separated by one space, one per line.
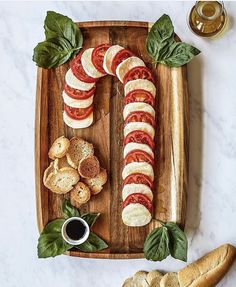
207 18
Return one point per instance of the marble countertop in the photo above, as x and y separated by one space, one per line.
212 183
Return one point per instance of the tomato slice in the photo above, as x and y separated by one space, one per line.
78 94
139 137
139 95
138 178
139 72
138 198
140 116
78 113
139 156
98 56
78 70
120 57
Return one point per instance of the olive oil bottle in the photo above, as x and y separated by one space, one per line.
207 18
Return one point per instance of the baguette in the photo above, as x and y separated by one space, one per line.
208 270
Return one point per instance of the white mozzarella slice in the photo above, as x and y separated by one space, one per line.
138 107
109 56
140 84
78 124
139 126
136 214
132 188
127 65
74 103
137 146
75 83
138 167
89 68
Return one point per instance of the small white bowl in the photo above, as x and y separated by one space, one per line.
68 239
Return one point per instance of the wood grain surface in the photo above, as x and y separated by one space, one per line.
172 136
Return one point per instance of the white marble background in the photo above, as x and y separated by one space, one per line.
212 189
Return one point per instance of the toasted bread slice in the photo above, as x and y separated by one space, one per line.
60 163
95 184
128 282
59 148
170 280
140 279
89 167
78 150
80 193
154 277
63 180
47 172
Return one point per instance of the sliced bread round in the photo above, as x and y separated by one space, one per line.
95 184
59 148
80 193
89 167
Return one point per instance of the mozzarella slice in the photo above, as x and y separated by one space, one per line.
89 68
138 107
132 188
136 214
75 83
140 84
127 65
109 56
138 167
137 146
74 103
139 126
78 124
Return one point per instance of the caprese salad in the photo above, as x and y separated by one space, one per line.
139 118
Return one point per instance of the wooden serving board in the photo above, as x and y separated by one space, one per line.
172 141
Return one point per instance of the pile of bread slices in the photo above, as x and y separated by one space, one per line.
74 168
205 272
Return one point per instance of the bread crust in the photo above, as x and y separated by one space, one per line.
96 184
80 193
89 167
154 278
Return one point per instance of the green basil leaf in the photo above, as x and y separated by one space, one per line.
156 245
178 241
180 54
92 244
90 218
58 25
52 52
50 242
69 210
161 31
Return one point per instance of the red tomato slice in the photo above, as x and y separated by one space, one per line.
138 178
98 56
139 137
139 96
120 57
140 116
78 113
138 198
138 73
139 156
78 70
78 94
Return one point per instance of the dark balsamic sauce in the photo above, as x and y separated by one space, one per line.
75 229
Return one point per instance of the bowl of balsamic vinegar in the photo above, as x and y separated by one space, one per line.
75 230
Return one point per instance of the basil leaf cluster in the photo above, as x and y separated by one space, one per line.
162 47
51 242
166 240
63 40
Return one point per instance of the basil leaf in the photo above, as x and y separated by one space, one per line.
50 242
58 25
161 31
52 52
92 244
178 241
163 48
90 218
69 210
180 54
156 245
